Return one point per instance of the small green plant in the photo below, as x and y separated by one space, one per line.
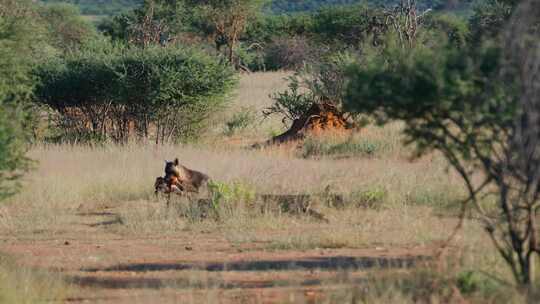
227 198
369 198
240 121
292 103
470 282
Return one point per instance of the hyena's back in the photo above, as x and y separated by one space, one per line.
192 179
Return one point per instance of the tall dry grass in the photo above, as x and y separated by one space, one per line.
24 285
253 95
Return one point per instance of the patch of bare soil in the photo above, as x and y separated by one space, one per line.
194 267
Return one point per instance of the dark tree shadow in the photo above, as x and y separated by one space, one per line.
103 213
185 283
321 263
117 220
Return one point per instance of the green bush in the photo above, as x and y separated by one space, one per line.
348 25
22 40
369 198
68 30
228 198
291 103
163 94
470 282
320 82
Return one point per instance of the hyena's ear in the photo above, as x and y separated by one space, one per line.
176 162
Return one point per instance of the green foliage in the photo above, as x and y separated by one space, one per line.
228 198
369 198
455 28
428 88
154 22
21 42
477 105
265 28
489 18
470 282
321 82
348 25
13 147
104 89
68 30
292 103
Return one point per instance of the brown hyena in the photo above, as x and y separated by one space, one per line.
179 179
189 180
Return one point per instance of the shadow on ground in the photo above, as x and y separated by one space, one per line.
185 283
320 263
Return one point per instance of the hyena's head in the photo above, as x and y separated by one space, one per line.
172 167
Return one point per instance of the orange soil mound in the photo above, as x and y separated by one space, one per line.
319 118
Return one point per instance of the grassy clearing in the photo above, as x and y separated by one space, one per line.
23 285
369 191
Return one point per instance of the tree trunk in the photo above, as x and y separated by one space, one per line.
231 51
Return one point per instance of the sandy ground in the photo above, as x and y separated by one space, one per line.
194 266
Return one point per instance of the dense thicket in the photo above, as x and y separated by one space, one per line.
476 102
21 42
107 92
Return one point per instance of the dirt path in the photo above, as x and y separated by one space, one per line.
193 267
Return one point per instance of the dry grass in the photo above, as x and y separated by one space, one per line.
390 200
254 95
24 285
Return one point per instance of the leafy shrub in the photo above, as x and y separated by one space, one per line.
292 103
165 94
369 198
67 28
455 28
470 282
21 42
321 82
351 25
228 198
250 57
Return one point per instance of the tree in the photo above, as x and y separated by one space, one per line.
489 18
67 29
479 107
314 99
155 22
110 92
227 20
21 41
